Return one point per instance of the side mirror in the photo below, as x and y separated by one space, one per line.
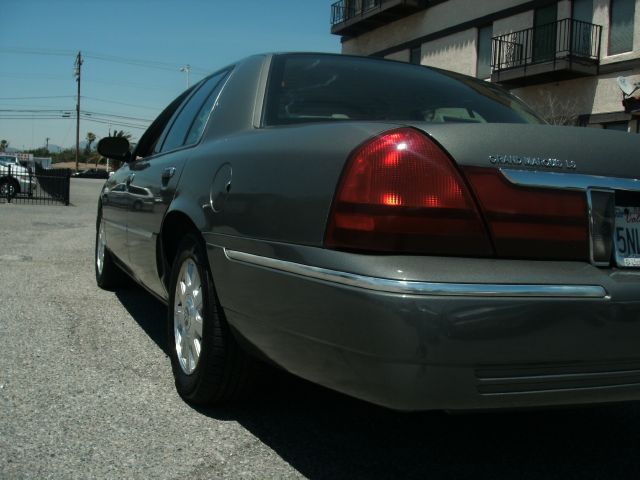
116 148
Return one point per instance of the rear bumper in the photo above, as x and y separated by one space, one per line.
419 344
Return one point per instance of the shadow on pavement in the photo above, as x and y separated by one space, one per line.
147 311
325 435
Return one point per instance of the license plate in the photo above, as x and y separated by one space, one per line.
627 236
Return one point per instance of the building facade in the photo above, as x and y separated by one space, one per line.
563 57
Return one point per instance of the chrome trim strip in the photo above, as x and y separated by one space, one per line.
118 226
568 181
136 231
140 232
408 287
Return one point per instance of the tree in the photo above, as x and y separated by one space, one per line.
3 145
121 133
555 108
91 137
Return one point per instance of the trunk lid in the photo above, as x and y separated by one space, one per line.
540 147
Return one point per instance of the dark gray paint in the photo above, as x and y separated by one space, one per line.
415 353
595 151
405 352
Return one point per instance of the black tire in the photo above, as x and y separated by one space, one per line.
9 187
223 372
108 275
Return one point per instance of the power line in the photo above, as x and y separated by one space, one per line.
117 116
120 103
37 98
68 110
31 111
140 63
100 56
37 51
112 122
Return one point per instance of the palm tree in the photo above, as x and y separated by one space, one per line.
121 133
3 145
91 137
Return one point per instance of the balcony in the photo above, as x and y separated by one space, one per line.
354 17
556 51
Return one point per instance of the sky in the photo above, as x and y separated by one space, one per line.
132 54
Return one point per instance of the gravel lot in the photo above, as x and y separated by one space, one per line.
86 392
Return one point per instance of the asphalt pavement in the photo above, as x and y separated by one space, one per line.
86 391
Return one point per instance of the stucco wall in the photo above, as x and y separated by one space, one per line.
581 96
513 23
434 19
402 55
455 52
564 9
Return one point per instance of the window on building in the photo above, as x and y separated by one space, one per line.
583 10
415 55
545 33
621 13
582 31
483 69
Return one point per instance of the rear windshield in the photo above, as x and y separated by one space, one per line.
311 88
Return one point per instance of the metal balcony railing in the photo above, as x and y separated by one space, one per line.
564 39
344 10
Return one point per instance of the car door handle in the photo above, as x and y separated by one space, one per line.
168 172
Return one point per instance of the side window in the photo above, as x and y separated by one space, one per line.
149 143
197 127
187 116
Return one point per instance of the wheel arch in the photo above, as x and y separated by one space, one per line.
175 225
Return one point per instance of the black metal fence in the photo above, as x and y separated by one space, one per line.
566 38
34 185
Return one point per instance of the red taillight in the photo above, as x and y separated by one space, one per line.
531 222
401 193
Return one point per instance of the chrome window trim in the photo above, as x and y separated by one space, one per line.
568 181
409 287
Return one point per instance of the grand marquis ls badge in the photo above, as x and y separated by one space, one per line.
540 162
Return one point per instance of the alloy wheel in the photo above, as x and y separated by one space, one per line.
187 316
102 241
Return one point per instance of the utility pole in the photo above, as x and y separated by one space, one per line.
47 147
78 74
187 69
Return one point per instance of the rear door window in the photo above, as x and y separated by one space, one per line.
188 124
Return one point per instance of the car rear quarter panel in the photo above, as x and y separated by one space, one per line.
282 183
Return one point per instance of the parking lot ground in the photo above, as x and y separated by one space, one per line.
86 392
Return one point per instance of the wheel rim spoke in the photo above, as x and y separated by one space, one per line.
197 327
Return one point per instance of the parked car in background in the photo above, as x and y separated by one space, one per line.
14 178
92 173
413 237
128 197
